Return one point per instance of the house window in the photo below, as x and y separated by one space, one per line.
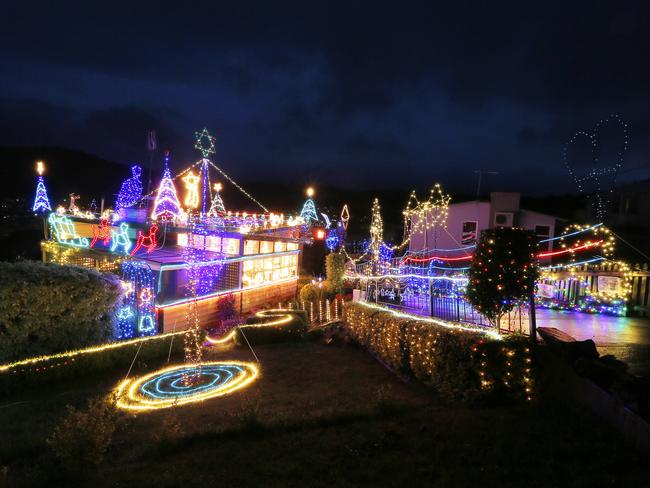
468 235
543 231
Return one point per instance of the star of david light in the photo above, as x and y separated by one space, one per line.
204 143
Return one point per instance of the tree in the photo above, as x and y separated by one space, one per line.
166 205
335 270
503 272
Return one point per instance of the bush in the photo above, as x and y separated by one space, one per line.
82 437
227 308
311 293
335 271
46 308
461 365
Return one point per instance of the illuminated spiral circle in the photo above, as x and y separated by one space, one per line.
168 388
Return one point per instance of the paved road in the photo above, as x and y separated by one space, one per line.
624 337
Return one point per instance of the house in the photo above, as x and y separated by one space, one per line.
466 220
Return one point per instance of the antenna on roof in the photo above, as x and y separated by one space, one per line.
480 173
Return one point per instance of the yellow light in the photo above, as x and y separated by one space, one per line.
217 187
129 397
40 167
88 350
192 185
310 191
280 318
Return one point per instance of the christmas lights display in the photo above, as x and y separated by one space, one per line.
147 241
166 206
600 179
204 143
586 279
137 314
193 346
64 231
308 212
503 272
192 186
120 239
72 207
41 202
345 216
167 387
131 190
217 208
101 232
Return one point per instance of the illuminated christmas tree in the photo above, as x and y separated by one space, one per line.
308 212
503 272
41 202
376 231
166 205
217 207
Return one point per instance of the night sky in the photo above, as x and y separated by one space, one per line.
365 95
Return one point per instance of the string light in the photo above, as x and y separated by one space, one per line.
345 216
121 239
101 232
147 241
192 186
65 232
41 201
596 173
204 143
166 388
308 212
166 205
131 190
137 315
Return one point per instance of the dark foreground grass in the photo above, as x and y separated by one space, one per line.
323 416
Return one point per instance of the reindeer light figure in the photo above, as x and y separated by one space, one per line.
147 241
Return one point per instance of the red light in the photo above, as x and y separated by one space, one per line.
320 234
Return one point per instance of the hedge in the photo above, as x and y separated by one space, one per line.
154 350
461 365
47 308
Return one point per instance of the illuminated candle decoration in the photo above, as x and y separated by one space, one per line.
131 190
166 205
147 241
166 388
65 232
192 186
101 232
41 201
121 239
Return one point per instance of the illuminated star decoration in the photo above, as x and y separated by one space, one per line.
192 186
204 143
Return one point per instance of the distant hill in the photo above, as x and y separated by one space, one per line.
66 171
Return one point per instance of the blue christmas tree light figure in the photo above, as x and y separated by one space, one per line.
41 202
167 205
131 189
308 212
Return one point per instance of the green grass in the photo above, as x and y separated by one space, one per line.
322 416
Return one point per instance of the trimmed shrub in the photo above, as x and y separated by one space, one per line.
460 365
335 271
311 293
47 308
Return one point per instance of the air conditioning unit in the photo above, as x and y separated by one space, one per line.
503 219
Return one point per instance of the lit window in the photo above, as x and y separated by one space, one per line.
230 246
251 247
266 247
182 240
468 235
280 246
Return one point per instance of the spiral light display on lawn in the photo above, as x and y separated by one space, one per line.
168 387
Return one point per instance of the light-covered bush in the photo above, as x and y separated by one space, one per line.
460 365
46 308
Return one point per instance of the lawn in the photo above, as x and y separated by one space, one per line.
322 416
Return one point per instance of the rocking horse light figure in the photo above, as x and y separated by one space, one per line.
147 241
101 232
121 238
